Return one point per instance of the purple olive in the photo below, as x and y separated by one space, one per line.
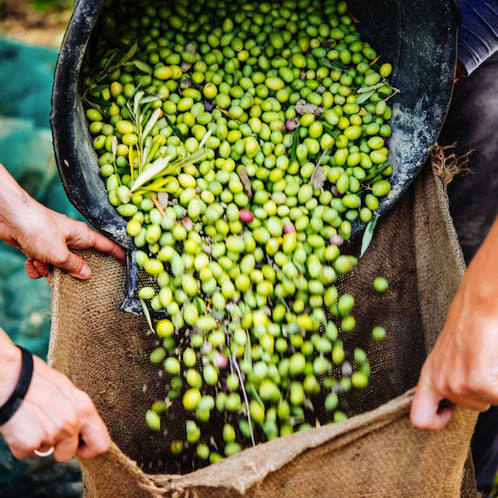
291 124
220 361
246 216
187 223
336 240
289 227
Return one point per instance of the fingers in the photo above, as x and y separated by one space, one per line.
36 269
55 249
425 412
95 438
103 244
31 270
55 413
23 439
83 237
67 448
42 268
95 441
66 429
73 264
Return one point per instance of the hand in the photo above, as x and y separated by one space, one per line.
53 413
463 366
47 237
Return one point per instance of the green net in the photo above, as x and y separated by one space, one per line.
27 95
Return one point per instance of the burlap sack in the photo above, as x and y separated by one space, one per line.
378 453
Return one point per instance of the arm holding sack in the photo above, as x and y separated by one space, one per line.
463 365
40 408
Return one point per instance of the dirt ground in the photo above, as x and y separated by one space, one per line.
20 21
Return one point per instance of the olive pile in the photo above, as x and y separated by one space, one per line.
241 140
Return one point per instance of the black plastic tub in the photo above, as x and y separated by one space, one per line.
417 37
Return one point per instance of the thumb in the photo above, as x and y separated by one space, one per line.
74 265
425 411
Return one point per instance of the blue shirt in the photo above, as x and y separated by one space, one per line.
478 36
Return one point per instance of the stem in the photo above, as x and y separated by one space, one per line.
246 400
321 158
374 61
226 114
130 159
156 203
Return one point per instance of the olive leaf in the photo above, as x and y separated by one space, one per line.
366 89
146 112
151 150
282 300
176 130
365 92
142 66
198 304
162 123
244 178
158 184
159 166
377 171
147 315
89 99
295 143
300 267
368 235
136 102
130 53
252 391
331 131
363 97
96 89
186 77
151 171
205 138
151 122
333 65
145 152
114 147
110 57
197 156
150 98
248 349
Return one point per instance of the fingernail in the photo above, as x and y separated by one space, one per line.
85 271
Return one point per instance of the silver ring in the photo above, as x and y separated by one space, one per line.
44 453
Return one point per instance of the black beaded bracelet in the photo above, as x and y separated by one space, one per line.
8 410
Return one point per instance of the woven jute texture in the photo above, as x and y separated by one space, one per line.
378 453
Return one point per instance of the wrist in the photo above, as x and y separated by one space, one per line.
10 369
14 202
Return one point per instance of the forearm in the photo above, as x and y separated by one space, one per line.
463 365
482 274
10 366
478 36
14 201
